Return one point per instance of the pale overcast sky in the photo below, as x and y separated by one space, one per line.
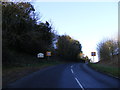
88 22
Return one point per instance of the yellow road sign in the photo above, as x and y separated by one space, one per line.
48 53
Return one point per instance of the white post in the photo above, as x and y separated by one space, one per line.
93 58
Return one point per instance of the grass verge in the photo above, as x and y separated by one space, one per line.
109 70
12 73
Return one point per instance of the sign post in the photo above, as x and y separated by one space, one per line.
48 54
93 54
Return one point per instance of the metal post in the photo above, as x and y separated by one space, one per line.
48 57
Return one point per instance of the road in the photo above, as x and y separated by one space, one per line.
73 75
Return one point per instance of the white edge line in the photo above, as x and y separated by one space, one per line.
79 83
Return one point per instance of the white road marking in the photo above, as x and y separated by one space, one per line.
71 66
72 71
79 83
77 79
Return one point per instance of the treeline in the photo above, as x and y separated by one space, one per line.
21 32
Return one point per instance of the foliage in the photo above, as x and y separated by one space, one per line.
68 48
21 32
106 49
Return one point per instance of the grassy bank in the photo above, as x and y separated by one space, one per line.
106 68
30 64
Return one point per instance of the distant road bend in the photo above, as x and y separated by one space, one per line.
73 75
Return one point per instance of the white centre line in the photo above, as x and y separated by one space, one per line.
71 66
79 83
72 71
77 79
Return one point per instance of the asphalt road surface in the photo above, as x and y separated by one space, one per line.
71 75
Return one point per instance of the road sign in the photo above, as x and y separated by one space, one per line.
48 53
40 55
93 53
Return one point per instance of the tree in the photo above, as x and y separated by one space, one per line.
21 31
16 16
17 20
39 40
20 26
106 49
68 48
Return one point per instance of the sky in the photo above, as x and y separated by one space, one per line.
87 22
